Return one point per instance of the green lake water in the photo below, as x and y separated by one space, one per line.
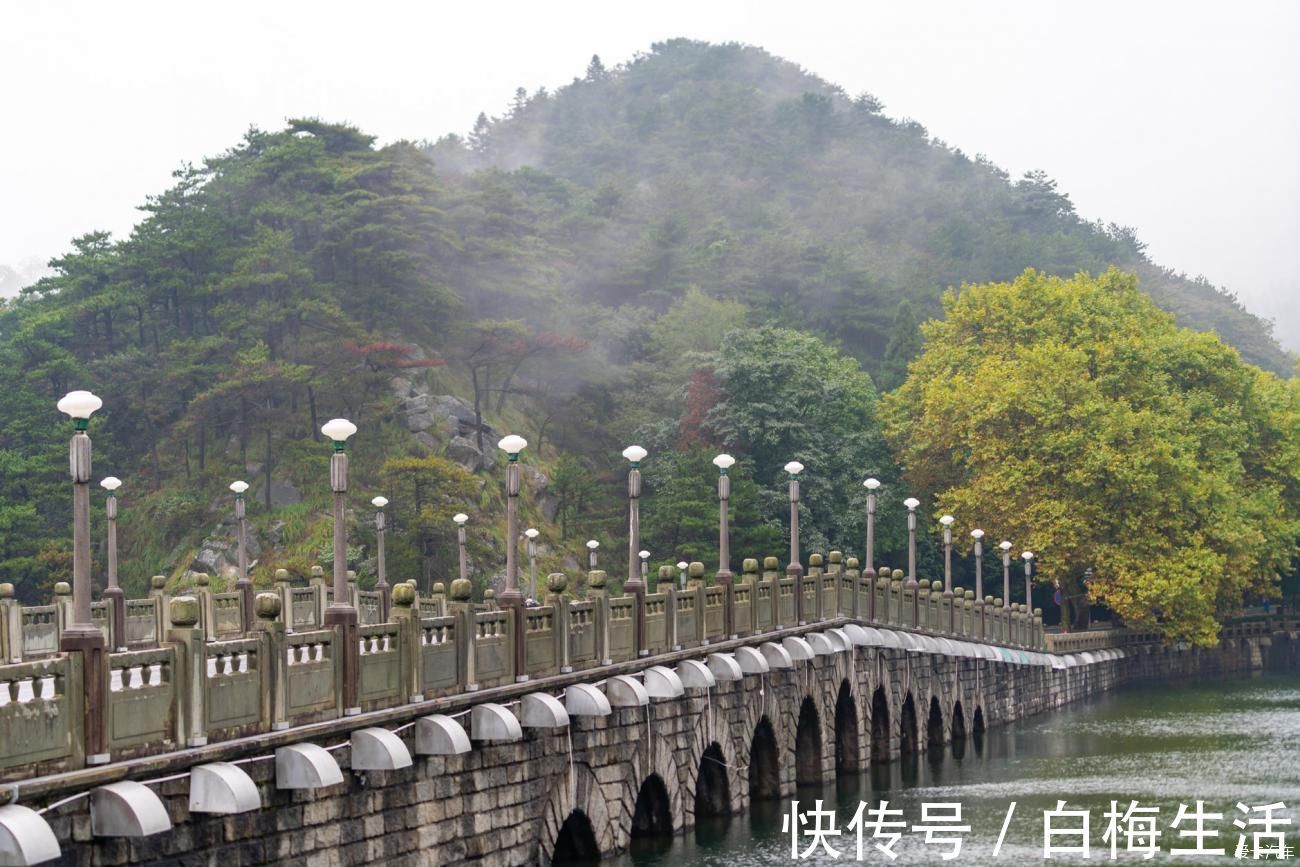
1220 741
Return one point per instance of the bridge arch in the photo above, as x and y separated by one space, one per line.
764 763
808 744
713 784
958 729
907 727
577 817
848 743
934 725
880 729
652 815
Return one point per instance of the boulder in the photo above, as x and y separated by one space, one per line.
465 452
283 493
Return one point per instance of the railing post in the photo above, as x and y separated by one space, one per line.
556 583
596 579
186 633
814 576
460 607
749 575
203 594
695 586
269 627
8 623
158 592
410 656
854 579
772 575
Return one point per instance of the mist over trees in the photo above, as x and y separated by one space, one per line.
705 249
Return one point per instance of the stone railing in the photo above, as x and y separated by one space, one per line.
185 675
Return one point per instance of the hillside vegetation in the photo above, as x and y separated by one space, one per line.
707 248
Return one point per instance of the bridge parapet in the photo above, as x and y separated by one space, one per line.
187 675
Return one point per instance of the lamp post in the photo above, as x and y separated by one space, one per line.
460 518
531 534
113 592
682 566
794 468
947 521
81 635
341 612
511 598
978 536
724 462
1006 573
79 405
872 485
911 503
1029 588
242 584
592 545
795 568
634 455
382 583
512 445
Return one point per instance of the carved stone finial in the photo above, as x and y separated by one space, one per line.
851 563
438 587
596 579
158 582
771 564
749 566
403 595
461 590
557 582
63 588
282 576
183 611
267 606
202 579
898 575
936 586
695 570
6 591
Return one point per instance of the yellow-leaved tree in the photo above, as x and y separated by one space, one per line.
1074 417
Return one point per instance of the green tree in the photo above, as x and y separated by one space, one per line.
426 493
1074 418
790 396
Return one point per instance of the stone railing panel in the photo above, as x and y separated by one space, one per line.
40 717
494 659
141 702
541 653
379 666
311 681
658 636
689 616
233 688
582 634
38 631
227 615
714 614
785 601
370 607
439 656
304 608
143 623
622 627
742 602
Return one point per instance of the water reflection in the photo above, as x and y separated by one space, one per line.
1219 741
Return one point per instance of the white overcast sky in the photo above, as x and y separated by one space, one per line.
1179 118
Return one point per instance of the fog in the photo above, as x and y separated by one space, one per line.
1178 119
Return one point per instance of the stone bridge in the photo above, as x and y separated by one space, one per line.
460 731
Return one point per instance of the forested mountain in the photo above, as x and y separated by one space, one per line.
687 251
727 168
